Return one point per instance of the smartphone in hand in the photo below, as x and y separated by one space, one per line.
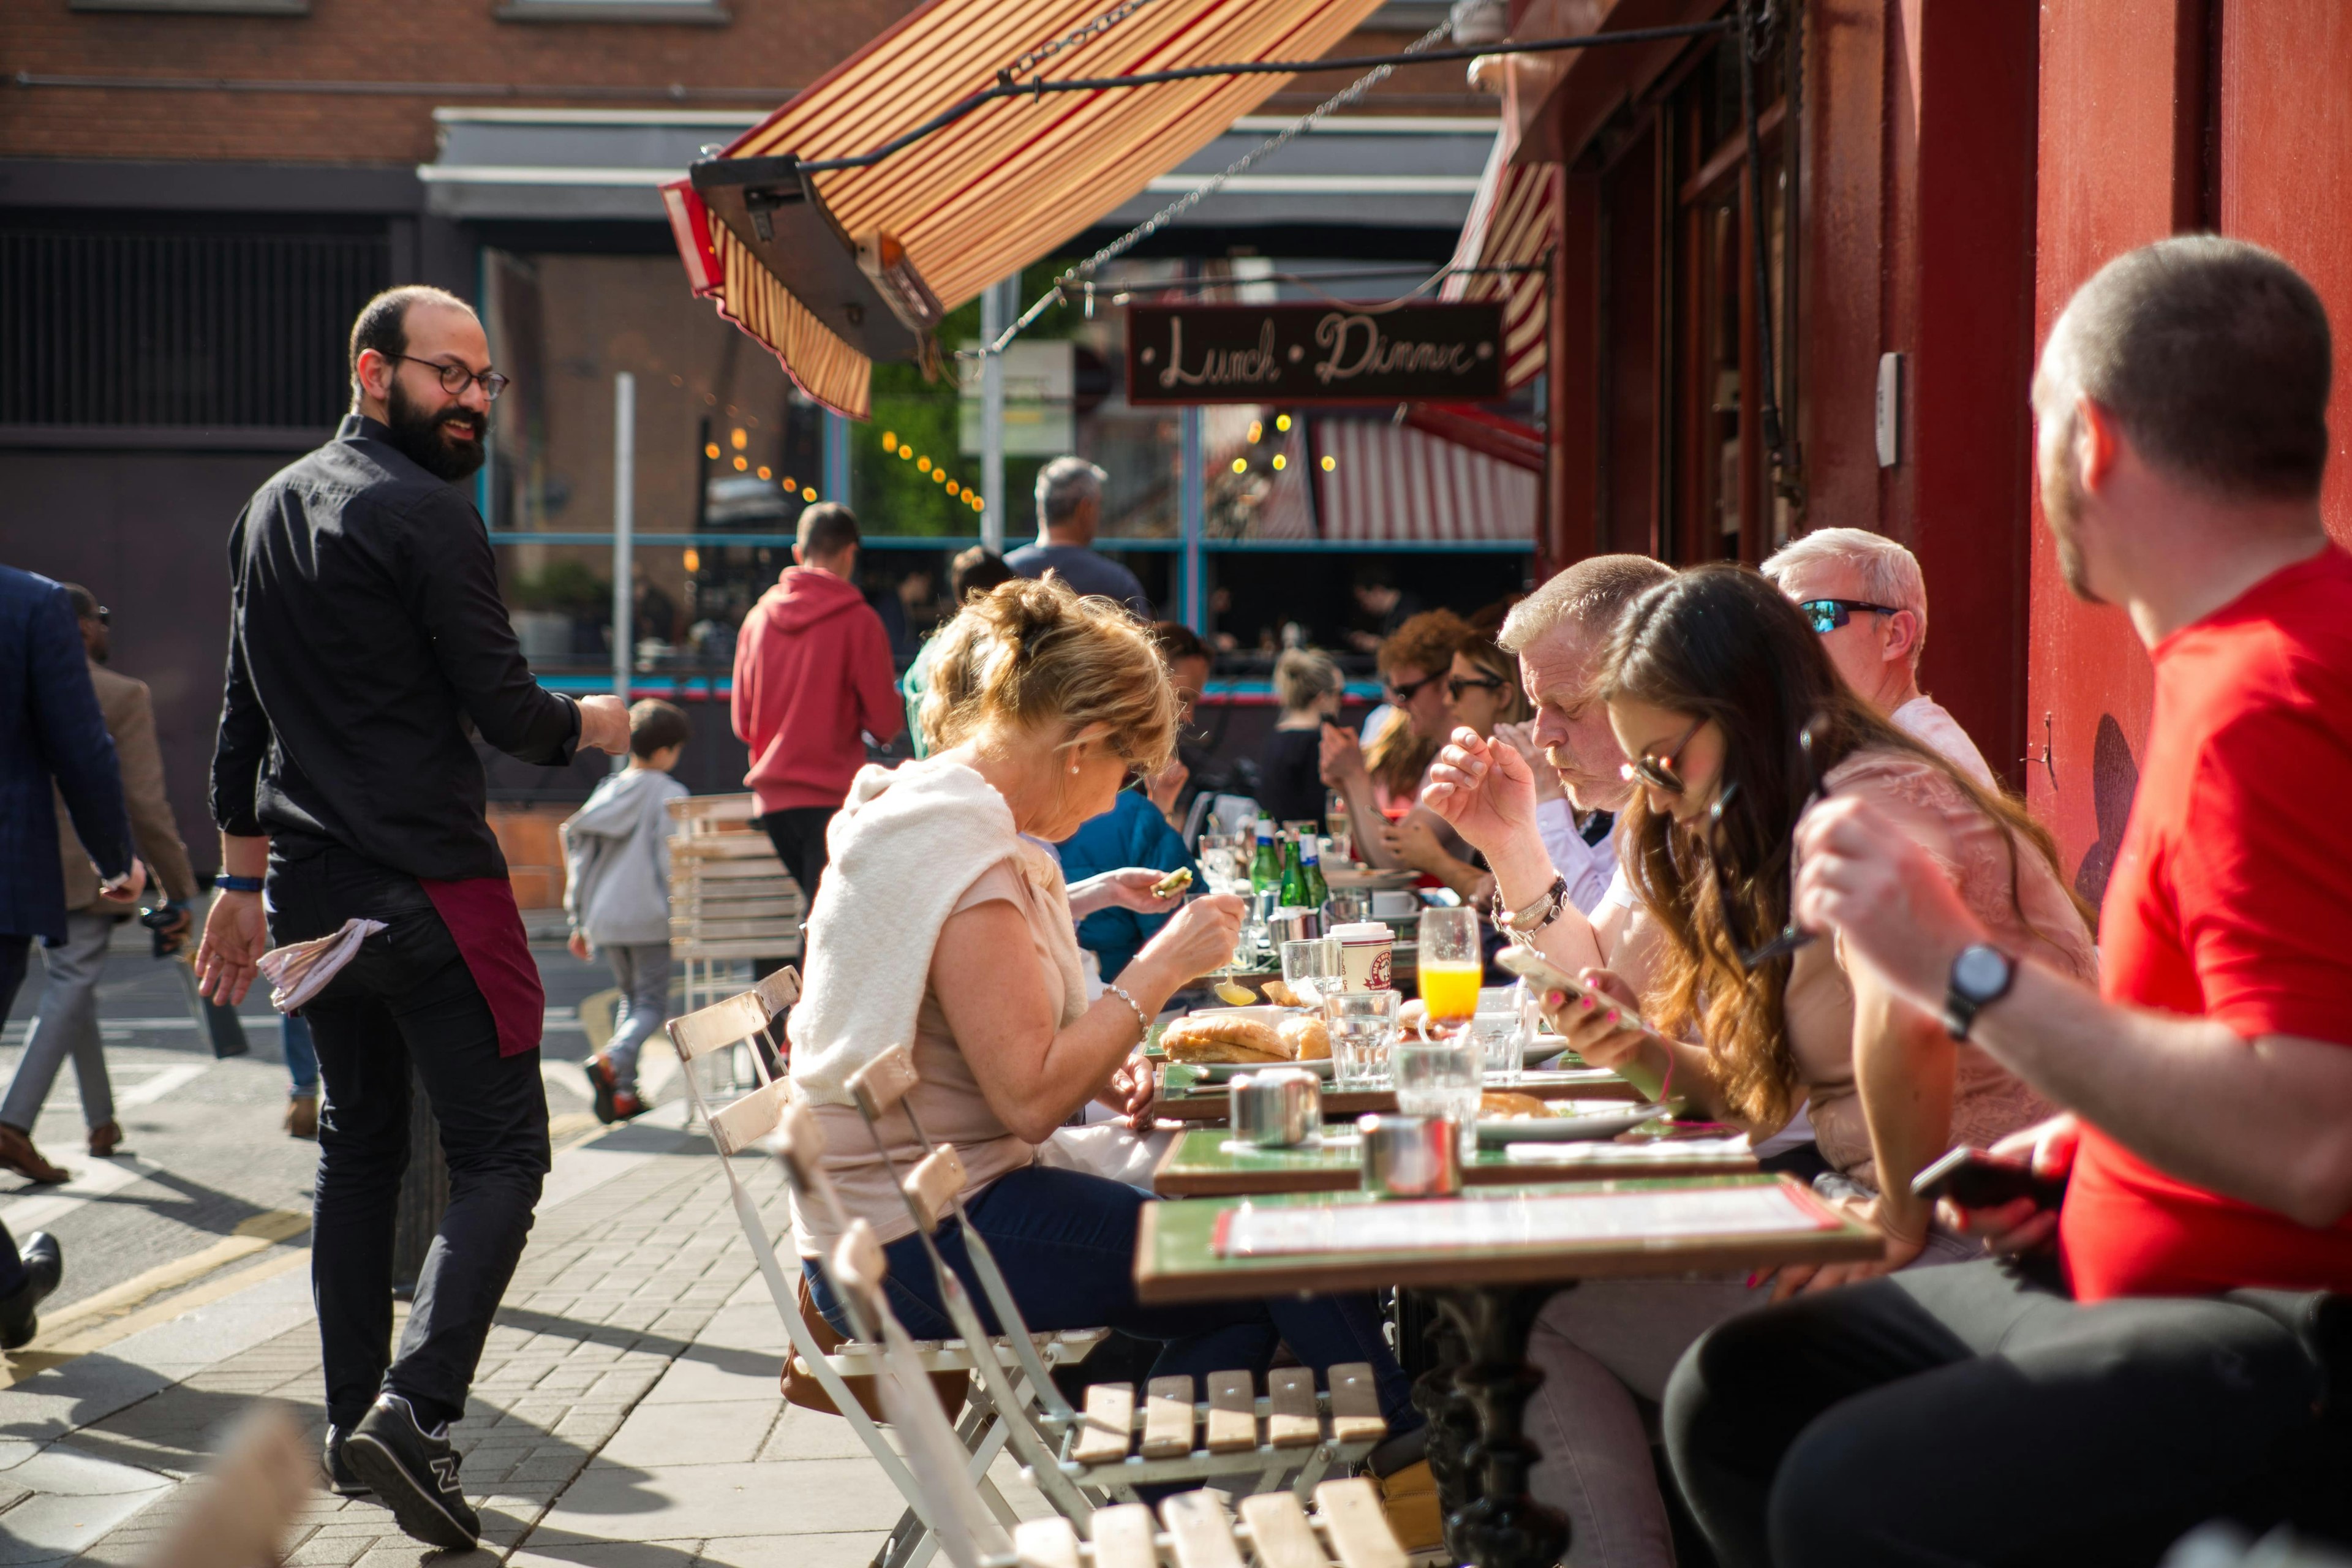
1977 1180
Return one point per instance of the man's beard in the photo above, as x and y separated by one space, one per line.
418 436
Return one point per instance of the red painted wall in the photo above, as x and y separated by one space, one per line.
2119 80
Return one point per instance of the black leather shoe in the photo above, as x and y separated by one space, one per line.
345 1480
413 1473
45 1263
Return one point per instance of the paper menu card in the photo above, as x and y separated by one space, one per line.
1519 1221
1662 1152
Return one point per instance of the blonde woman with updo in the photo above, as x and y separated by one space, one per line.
944 922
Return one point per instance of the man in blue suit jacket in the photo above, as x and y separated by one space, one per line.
50 727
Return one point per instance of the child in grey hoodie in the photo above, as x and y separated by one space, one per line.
616 892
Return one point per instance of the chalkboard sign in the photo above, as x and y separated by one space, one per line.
1313 353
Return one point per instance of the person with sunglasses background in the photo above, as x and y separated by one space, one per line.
1482 696
1709 684
1867 601
1413 665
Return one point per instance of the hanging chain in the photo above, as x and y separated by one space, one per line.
1044 52
1085 270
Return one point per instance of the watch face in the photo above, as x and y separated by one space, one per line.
1980 972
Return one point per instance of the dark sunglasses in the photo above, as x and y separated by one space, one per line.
1809 741
1455 685
1827 615
454 377
1658 769
1400 695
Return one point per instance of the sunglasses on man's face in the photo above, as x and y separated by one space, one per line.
1657 769
1827 615
1455 685
1400 695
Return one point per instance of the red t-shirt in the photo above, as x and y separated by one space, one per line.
2231 900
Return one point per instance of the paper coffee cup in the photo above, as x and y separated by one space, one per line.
1366 955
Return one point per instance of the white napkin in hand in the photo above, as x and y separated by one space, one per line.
299 970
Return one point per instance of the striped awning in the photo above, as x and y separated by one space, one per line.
1395 485
1007 184
1511 224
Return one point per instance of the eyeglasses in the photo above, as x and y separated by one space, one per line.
1400 695
454 377
102 615
1658 769
1828 614
1455 685
1810 739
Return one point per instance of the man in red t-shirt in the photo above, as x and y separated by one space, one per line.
2158 1367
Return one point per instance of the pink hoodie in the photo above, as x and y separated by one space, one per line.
812 669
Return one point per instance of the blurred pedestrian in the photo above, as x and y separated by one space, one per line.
1069 510
974 571
67 1023
301 1053
812 676
368 649
616 892
52 739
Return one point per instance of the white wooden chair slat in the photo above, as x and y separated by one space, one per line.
933 1185
884 1081
1233 1414
1355 1404
1356 1526
1124 1537
737 1127
1108 1426
1167 1419
1198 1535
1290 1391
1045 1543
1280 1535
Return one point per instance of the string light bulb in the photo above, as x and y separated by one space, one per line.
741 464
693 559
711 451
954 489
765 472
922 465
1257 432
1282 421
807 493
905 451
1280 462
890 441
1240 465
1329 462
737 438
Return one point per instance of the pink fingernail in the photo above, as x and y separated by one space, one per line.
1555 999
1586 1002
1752 1282
1613 1015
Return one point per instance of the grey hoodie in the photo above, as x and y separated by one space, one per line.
616 859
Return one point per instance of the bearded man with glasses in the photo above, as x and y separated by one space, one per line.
368 647
1865 595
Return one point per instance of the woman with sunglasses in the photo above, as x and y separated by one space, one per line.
1483 694
1719 689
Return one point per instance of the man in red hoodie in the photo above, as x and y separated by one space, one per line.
812 671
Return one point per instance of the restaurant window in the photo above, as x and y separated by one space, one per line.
1723 503
176 322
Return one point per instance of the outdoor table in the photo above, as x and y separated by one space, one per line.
1209 1101
1490 1294
1204 1162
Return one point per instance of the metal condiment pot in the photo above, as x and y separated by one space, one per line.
1277 1106
1411 1156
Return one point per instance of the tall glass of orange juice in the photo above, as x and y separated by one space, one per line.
1451 965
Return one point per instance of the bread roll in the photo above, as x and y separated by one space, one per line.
1281 994
1503 1105
1222 1038
1305 1037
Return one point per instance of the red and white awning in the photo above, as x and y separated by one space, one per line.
1008 183
1395 485
1514 220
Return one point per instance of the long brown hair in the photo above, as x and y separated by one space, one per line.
1719 642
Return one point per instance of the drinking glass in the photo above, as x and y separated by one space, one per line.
1220 857
1451 964
1363 1026
1440 1078
1500 1028
1312 968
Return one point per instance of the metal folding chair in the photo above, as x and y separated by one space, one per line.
759 1115
1347 1530
1119 1442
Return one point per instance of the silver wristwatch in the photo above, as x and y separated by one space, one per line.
1981 975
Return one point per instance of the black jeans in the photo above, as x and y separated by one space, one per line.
407 997
798 833
1976 1414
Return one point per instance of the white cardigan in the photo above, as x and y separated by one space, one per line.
903 848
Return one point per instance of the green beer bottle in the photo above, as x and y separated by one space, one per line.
1293 877
1318 891
1265 865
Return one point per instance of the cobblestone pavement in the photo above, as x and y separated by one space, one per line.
626 1413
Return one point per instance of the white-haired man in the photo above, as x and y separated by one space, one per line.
1865 595
1069 510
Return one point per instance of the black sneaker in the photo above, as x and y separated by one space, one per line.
45 1263
340 1477
413 1473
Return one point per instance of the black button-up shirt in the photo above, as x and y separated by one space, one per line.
367 631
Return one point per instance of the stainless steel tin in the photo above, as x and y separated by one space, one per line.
1411 1156
1276 1108
1294 924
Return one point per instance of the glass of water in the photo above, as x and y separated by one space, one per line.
1363 1026
1220 857
1441 1078
1500 1028
1312 968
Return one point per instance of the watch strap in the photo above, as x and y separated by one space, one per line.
228 884
1962 1005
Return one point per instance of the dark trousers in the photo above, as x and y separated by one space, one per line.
798 833
407 998
14 953
1065 1241
1976 1414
